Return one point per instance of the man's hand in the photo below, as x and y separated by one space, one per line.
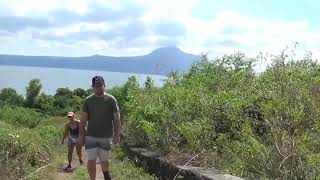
116 139
117 126
82 130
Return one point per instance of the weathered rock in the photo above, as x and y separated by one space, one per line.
164 169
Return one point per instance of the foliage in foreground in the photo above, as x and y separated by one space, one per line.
22 150
252 125
21 117
25 145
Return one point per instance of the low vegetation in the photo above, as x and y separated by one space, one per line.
254 125
260 126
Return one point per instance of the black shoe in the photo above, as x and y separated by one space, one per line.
107 175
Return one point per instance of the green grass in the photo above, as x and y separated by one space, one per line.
81 174
58 160
58 122
60 156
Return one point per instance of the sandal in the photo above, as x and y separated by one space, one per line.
68 168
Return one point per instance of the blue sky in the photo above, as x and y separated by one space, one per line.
285 10
135 27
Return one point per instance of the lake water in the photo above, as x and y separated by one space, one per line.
18 77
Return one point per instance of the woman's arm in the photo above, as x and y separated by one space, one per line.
65 133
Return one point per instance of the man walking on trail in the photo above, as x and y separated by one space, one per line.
72 131
101 111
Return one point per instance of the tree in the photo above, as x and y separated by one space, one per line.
80 92
117 92
45 103
63 97
89 92
33 91
11 97
173 78
66 100
63 92
149 84
130 85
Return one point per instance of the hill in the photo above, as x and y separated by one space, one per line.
159 62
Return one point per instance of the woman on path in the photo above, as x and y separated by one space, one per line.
72 132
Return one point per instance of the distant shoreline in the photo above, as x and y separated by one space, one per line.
26 66
18 77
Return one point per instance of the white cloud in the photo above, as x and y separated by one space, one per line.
77 28
32 8
136 34
178 9
250 35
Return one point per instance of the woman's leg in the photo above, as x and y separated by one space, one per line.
70 151
79 148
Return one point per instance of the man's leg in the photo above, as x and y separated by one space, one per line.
105 166
105 159
91 166
91 149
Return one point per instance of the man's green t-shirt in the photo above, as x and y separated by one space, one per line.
100 115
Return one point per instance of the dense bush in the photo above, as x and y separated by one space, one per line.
26 140
51 134
24 145
23 150
252 125
10 96
22 117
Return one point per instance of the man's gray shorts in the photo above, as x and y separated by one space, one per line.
98 147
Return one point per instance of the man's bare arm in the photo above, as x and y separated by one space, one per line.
83 122
117 123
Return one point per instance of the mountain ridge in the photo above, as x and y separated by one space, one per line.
160 61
